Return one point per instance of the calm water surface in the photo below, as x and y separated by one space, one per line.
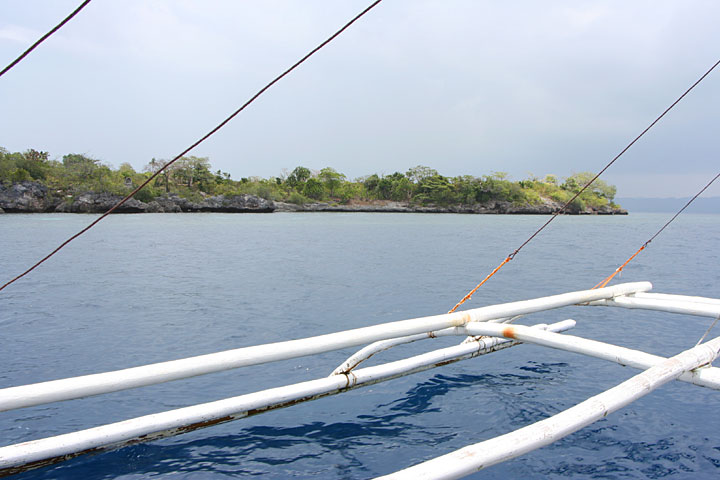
147 288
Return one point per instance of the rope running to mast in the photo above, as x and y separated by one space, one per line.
44 37
620 268
198 142
554 215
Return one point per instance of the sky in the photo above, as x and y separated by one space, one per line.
466 87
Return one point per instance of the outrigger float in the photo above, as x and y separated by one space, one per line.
487 329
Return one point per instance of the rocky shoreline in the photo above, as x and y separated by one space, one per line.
31 197
489 208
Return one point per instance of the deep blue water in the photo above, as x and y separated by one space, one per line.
147 288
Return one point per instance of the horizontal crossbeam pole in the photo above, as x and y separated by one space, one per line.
706 376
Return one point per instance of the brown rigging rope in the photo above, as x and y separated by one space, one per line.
620 268
554 215
205 137
44 37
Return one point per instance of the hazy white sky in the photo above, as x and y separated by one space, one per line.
466 87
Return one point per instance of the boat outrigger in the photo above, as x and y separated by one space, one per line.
487 329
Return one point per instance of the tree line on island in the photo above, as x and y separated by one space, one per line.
193 178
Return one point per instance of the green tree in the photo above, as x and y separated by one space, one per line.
126 170
35 163
313 188
597 195
298 176
434 189
550 179
84 173
466 188
371 184
78 163
222 177
31 165
19 175
599 187
402 187
420 173
384 188
154 166
499 175
194 171
331 179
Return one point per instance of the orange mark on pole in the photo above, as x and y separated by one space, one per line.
472 292
508 332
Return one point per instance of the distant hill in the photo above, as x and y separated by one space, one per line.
700 205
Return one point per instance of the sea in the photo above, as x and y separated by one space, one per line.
145 288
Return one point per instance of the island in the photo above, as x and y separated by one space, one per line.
30 182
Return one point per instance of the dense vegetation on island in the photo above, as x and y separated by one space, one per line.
193 178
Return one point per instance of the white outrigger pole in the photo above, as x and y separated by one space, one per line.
505 447
486 334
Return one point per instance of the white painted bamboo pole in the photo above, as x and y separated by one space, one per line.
363 354
77 387
682 298
380 346
705 377
481 455
663 305
46 451
689 305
